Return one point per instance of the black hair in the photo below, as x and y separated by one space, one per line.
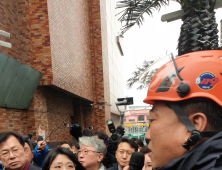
211 109
131 142
74 144
101 135
5 135
27 140
145 150
63 142
61 151
139 142
87 132
29 143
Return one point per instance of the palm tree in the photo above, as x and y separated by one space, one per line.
199 28
136 76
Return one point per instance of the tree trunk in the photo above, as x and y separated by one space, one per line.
199 30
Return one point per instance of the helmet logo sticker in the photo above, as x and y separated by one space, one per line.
198 80
206 81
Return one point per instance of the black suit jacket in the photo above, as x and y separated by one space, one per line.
114 167
32 167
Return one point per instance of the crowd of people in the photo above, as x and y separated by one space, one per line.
94 152
184 132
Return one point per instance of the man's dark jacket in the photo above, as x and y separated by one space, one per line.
205 156
32 167
115 167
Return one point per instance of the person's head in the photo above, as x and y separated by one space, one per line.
186 102
147 161
125 148
65 144
28 149
100 135
74 147
139 142
12 153
91 152
87 132
59 158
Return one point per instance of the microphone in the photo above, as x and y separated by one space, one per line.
136 161
63 123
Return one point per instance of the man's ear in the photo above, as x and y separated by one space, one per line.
199 120
100 157
26 149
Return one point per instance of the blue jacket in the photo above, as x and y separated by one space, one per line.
39 158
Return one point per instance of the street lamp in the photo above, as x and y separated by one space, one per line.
123 101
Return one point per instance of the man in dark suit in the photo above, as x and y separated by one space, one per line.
125 148
12 152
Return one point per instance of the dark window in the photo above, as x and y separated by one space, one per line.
131 120
124 119
140 117
147 117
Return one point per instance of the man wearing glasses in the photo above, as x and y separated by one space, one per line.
12 152
91 153
125 148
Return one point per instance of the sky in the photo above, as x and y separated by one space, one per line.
150 41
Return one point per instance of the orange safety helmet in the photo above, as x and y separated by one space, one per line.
193 75
201 71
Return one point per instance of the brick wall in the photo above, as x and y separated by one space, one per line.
9 22
70 54
59 109
26 121
38 14
70 46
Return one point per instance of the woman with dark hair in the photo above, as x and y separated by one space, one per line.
147 161
59 158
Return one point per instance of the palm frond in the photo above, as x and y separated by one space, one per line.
140 87
134 10
136 76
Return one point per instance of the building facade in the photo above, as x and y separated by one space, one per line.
69 42
115 57
136 123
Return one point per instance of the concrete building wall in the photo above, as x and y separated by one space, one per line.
114 69
115 119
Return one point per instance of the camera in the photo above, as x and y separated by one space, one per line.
75 131
115 136
30 135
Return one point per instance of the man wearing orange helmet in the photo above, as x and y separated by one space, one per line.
186 118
